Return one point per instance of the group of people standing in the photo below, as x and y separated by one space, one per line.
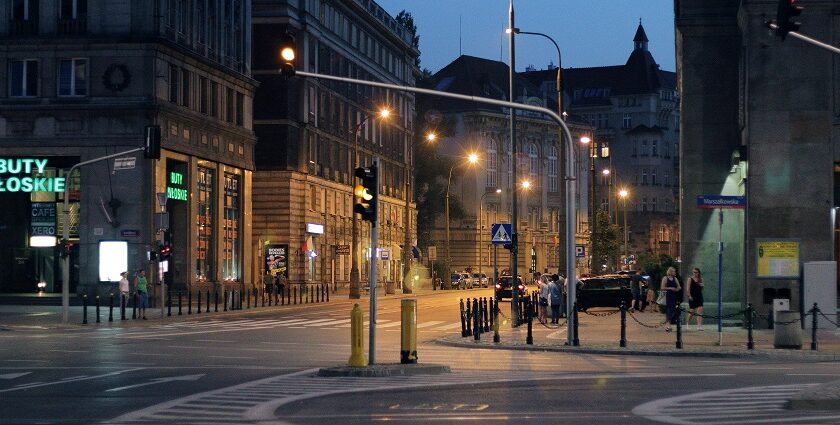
552 293
141 287
672 290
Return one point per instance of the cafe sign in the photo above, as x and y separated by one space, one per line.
27 175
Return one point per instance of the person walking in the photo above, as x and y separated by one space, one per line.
555 298
671 286
123 287
695 298
142 288
637 290
544 294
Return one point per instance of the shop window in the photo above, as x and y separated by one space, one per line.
204 252
232 255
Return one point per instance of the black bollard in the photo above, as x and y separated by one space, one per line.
179 303
84 309
123 301
679 328
750 343
262 297
189 301
207 310
529 317
494 303
199 302
311 294
814 312
476 324
575 340
248 299
224 299
463 322
272 295
295 292
485 312
111 308
134 307
169 303
328 293
216 300
623 341
469 317
98 320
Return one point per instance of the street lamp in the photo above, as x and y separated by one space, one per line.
472 158
481 229
623 195
585 140
355 290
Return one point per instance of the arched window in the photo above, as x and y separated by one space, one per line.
509 156
552 169
492 161
533 162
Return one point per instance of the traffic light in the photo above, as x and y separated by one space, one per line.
287 55
509 246
151 149
164 252
66 247
785 14
367 192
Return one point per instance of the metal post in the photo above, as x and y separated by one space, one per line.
530 318
199 302
623 341
169 303
750 343
84 309
123 301
574 317
485 312
374 243
295 292
111 308
514 253
476 324
134 307
207 310
216 300
179 302
814 312
469 318
224 299
679 327
720 278
495 306
98 319
463 322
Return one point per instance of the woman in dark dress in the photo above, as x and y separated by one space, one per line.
671 285
695 298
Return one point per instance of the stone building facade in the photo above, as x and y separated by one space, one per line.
307 129
759 121
84 79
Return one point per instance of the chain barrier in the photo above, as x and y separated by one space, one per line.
829 320
725 316
559 325
633 316
605 314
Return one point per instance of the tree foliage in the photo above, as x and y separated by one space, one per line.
656 266
405 19
605 241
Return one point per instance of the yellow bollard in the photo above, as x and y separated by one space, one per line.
357 339
408 348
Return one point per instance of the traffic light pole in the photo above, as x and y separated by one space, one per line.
805 38
570 176
374 241
65 234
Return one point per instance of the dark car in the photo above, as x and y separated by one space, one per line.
503 287
604 291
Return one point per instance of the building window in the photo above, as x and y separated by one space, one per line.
214 99
644 148
653 204
24 10
173 83
665 180
73 9
635 148
492 158
72 77
653 176
653 148
552 169
644 204
23 78
232 255
665 152
533 160
202 95
205 222
644 177
240 109
185 88
229 105
626 121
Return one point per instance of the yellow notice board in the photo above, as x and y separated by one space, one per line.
777 258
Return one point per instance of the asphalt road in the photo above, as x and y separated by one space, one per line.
256 366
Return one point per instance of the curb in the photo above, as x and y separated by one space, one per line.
384 370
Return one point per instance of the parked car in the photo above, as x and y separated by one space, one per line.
604 291
503 287
479 280
461 280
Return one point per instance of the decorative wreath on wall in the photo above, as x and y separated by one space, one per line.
116 77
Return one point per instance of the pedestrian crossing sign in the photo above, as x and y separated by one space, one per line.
500 233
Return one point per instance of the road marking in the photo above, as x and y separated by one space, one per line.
331 322
215 340
427 324
86 378
230 357
449 326
159 381
14 375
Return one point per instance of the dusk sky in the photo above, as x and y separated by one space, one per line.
589 32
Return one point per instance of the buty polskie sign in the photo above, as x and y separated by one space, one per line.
16 175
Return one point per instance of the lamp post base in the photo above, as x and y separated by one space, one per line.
355 290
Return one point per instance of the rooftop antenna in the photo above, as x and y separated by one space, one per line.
460 52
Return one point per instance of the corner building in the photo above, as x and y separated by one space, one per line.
83 79
303 185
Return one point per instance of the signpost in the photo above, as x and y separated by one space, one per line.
720 202
500 233
342 250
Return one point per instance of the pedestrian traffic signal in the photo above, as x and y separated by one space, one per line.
785 14
287 55
66 247
152 148
367 193
510 246
164 252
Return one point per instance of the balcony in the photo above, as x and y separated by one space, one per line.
72 26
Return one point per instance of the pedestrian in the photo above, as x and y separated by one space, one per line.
671 286
637 290
281 283
142 288
544 294
554 299
695 298
123 286
651 300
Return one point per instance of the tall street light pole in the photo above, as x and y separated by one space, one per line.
623 194
472 159
481 229
514 216
355 289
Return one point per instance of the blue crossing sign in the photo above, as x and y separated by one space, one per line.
500 233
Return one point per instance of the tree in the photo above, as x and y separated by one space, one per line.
656 266
405 19
604 241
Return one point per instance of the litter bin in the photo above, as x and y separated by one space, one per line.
787 332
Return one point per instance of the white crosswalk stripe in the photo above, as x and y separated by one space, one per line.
752 405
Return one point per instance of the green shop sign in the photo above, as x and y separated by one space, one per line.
175 189
20 182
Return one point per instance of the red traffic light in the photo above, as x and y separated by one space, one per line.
785 12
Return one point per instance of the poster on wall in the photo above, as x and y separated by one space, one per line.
276 259
777 258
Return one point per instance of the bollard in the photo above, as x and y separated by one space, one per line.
575 340
408 341
179 302
98 320
679 328
623 341
328 294
750 343
224 300
262 297
463 322
248 299
169 303
310 293
199 302
295 292
207 310
529 317
122 306
490 319
318 290
357 339
111 308
469 317
84 309
134 307
476 324
494 303
189 301
216 300
814 312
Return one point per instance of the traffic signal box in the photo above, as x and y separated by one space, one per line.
288 55
367 193
151 150
785 14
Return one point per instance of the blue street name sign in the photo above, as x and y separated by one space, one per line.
721 201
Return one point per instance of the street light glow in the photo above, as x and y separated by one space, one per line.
526 184
498 190
385 113
287 53
585 140
605 171
431 137
623 193
472 158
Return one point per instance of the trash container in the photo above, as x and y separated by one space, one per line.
787 332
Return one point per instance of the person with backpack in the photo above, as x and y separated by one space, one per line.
555 298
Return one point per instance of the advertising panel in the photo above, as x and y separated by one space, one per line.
276 259
777 258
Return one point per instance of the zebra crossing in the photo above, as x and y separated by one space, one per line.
750 405
244 324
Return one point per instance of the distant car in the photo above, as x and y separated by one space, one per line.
604 291
503 287
479 280
461 280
